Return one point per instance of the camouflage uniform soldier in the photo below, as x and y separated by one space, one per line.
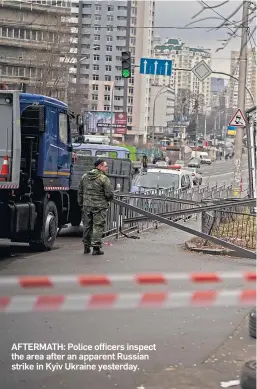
94 194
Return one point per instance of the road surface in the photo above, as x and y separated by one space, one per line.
189 342
222 171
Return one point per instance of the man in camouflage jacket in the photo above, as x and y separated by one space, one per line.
94 194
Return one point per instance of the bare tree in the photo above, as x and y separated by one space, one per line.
51 62
185 103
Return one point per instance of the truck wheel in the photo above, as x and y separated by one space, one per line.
46 235
248 375
252 323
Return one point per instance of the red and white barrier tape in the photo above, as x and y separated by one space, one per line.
77 302
88 280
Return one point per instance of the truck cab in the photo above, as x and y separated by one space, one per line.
35 163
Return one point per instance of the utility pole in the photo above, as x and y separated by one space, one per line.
241 98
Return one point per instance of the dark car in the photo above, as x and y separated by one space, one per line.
194 163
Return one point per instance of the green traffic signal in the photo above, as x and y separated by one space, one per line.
125 73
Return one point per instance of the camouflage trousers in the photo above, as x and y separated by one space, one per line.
93 226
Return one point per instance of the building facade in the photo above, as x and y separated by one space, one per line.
185 57
34 38
105 30
250 81
217 91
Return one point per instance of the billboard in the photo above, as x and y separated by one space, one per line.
100 122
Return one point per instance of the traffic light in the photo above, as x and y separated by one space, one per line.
125 64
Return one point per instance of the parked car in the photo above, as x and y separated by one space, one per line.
196 175
194 162
180 163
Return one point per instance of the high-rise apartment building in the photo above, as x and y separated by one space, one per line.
217 91
184 57
105 30
34 37
250 81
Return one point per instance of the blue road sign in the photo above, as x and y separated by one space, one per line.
232 128
155 66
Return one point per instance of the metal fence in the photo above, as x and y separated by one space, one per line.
121 220
236 225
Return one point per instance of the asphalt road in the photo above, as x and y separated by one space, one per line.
185 338
222 171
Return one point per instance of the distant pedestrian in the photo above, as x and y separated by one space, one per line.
94 195
144 163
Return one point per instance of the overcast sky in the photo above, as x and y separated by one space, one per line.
171 13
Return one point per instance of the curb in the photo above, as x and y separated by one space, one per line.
189 246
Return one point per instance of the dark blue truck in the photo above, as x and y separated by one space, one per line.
38 177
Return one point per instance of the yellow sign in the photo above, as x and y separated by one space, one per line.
231 132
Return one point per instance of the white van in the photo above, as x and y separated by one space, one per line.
204 158
163 178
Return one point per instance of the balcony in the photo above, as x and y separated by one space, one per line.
31 45
21 5
28 62
65 28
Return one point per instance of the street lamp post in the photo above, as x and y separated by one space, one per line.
112 110
68 74
161 92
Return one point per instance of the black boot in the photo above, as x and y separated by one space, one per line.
87 250
97 251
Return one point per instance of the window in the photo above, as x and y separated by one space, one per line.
110 18
95 87
98 18
98 7
108 68
106 108
4 31
110 8
95 77
109 29
83 153
109 38
111 154
94 107
94 97
96 57
108 58
95 67
107 78
108 48
97 37
63 128
107 98
107 88
97 28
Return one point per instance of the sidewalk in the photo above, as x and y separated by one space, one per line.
222 365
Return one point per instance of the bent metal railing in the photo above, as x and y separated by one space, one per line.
121 220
